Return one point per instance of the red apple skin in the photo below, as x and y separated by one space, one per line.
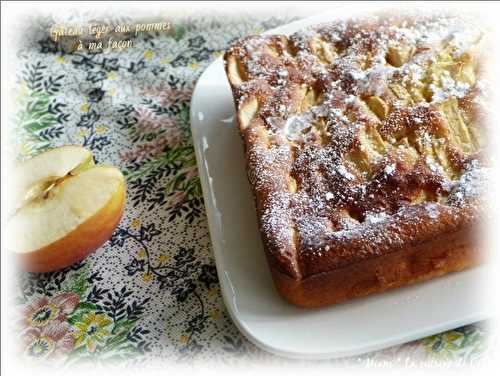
80 242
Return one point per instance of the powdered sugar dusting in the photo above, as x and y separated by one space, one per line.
471 185
355 131
432 210
372 218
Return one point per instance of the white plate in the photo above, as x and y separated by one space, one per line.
351 328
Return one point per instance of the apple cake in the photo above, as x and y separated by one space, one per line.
365 147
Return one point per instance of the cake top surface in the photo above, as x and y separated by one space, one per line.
361 133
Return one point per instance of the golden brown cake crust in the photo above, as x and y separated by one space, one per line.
364 143
449 253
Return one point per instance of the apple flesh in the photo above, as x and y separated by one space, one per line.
65 207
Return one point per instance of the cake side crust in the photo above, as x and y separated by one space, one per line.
450 253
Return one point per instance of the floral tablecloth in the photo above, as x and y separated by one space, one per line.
151 292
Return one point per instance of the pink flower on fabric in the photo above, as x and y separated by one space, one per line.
174 137
52 340
166 95
43 311
147 123
146 120
177 199
192 173
168 98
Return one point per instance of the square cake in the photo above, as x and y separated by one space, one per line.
364 142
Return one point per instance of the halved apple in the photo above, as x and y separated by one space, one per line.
64 208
